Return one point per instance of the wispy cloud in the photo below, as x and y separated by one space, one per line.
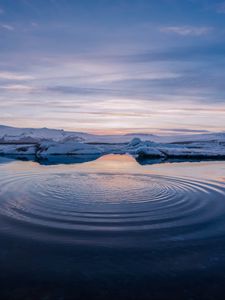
14 76
34 24
220 8
130 66
187 30
192 53
183 130
7 27
17 88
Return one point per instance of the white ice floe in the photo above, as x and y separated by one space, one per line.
68 148
45 142
11 134
18 149
184 152
138 148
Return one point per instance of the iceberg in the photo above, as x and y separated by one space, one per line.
46 142
69 148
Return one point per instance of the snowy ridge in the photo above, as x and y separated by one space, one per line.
13 134
45 142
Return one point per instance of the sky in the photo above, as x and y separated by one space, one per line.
113 66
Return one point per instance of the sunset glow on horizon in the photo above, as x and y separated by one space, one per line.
113 67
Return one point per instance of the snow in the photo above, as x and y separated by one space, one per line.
134 142
8 134
138 148
184 152
18 149
148 151
68 148
11 134
46 142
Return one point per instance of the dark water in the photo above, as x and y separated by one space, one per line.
112 229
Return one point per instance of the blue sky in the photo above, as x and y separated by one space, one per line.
113 66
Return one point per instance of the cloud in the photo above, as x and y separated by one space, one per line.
75 90
34 24
183 130
220 8
14 76
17 88
7 27
187 30
89 92
192 53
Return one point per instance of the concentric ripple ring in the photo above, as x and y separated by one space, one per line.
38 205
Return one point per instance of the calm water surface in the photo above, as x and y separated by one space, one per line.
112 229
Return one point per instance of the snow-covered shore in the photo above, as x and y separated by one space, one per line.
47 142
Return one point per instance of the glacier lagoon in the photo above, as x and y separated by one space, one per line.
112 227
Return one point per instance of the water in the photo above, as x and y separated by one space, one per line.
112 228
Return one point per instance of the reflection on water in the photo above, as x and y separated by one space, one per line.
125 230
78 159
51 159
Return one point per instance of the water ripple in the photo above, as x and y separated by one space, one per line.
63 206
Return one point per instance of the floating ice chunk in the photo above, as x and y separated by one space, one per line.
17 149
68 148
